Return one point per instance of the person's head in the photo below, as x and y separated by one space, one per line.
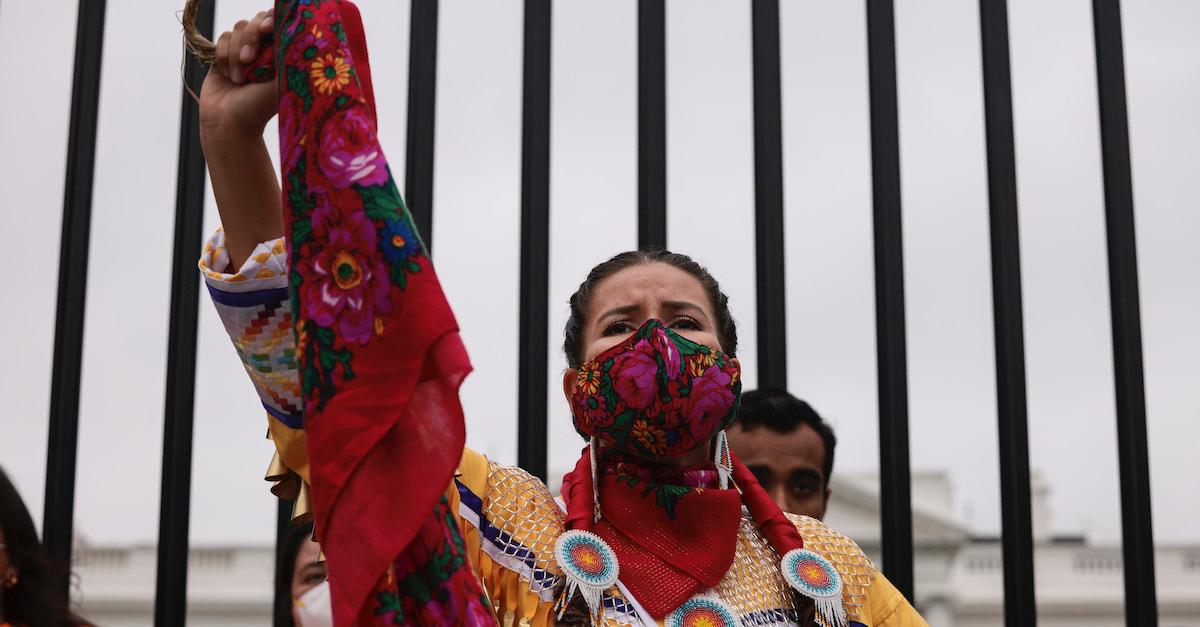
297 571
28 589
621 294
788 447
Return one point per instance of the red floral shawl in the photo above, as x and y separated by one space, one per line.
378 347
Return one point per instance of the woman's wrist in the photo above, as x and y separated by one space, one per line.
245 187
227 134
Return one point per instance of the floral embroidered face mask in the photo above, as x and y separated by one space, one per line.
656 394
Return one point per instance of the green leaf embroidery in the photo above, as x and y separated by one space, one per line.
382 202
398 276
607 391
301 230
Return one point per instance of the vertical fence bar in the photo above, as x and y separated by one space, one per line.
1132 447
170 602
535 240
59 512
768 196
891 360
282 602
652 124
422 93
1015 509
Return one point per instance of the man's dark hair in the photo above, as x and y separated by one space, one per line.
781 412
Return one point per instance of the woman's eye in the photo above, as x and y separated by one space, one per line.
687 324
618 328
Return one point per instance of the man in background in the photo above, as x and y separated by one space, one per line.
788 447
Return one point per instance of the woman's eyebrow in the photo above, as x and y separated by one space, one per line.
683 305
619 311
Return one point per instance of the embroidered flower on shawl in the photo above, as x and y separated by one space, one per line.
329 73
314 38
350 151
344 283
398 241
291 132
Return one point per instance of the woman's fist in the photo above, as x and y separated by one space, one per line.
229 105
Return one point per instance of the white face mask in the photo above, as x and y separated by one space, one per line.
314 607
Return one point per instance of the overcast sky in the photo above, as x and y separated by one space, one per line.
831 333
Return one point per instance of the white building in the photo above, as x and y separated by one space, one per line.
958 577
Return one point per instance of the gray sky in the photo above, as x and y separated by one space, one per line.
710 168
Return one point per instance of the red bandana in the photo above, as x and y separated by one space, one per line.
672 541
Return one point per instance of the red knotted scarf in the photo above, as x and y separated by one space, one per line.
668 556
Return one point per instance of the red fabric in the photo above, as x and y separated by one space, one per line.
664 560
577 493
378 346
775 526
434 563
655 395
357 38
263 66
382 503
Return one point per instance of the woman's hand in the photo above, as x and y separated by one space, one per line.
232 116
230 107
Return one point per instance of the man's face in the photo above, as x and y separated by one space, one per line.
790 466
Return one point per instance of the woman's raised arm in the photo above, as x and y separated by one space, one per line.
233 114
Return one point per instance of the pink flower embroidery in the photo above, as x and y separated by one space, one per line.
350 152
633 375
345 283
710 400
291 130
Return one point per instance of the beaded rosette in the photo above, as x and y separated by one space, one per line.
814 577
702 611
589 565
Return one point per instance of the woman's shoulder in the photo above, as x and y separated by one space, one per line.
517 518
508 497
857 570
494 482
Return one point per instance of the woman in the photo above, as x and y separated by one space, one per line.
654 530
300 576
28 594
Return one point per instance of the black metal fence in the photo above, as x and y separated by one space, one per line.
1020 599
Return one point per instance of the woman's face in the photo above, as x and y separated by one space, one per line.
626 300
307 572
